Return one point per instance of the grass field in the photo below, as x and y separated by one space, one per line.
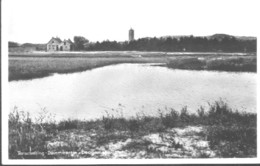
24 66
34 67
217 132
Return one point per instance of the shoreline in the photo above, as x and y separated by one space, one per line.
26 68
124 53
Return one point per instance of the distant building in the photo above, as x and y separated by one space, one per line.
131 35
56 44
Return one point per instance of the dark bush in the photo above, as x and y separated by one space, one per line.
133 125
233 64
170 119
186 63
68 124
24 135
233 141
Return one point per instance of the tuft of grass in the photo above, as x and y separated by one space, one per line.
170 119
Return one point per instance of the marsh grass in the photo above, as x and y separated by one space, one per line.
24 67
240 64
230 133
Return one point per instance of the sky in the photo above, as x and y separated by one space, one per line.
36 21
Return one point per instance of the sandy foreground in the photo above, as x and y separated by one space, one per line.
188 142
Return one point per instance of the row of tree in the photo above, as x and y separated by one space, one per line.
188 43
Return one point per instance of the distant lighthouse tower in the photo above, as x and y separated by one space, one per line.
131 35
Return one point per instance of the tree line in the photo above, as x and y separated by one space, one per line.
186 43
225 43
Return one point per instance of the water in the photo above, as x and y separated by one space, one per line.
128 89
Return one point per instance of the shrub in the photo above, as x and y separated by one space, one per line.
233 141
184 116
133 125
152 124
233 64
108 123
24 135
187 63
170 119
68 124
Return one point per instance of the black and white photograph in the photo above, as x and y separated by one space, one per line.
129 80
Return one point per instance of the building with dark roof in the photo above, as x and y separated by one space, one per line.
56 44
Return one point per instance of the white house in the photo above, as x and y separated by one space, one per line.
56 44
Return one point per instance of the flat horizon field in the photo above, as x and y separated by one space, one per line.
23 66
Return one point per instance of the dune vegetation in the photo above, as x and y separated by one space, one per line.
218 132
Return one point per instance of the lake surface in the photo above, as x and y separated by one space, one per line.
130 89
